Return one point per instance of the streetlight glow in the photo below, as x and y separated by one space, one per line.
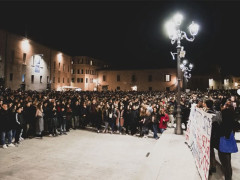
193 29
185 62
25 45
171 30
176 35
178 19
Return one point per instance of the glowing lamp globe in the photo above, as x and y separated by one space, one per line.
193 28
171 30
178 19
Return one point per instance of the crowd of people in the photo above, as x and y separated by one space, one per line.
28 114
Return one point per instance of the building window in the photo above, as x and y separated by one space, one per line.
73 80
150 88
73 71
118 88
24 57
81 71
81 80
32 79
167 78
118 77
133 78
91 63
78 71
40 79
53 79
78 80
86 80
23 78
11 76
68 80
47 79
150 78
63 80
104 78
0 58
72 62
59 80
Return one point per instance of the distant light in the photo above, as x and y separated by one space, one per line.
181 66
190 65
193 28
238 91
25 45
59 57
236 84
59 89
134 88
171 30
185 62
178 19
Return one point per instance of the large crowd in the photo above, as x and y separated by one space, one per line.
28 114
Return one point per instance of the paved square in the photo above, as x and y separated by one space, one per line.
79 155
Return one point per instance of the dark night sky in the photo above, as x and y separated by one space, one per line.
130 33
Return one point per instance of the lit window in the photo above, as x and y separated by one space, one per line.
167 78
23 78
91 63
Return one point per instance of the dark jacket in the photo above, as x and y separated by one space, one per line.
4 119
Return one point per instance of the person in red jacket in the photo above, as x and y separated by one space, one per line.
164 118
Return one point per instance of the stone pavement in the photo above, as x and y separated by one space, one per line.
171 159
80 155
87 155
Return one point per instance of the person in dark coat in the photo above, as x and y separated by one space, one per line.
29 117
134 118
18 124
5 126
226 127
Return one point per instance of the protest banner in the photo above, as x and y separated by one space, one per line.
198 137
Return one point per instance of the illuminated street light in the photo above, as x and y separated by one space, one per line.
186 69
176 35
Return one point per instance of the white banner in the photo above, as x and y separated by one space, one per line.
198 139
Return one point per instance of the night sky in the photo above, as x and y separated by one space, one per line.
130 34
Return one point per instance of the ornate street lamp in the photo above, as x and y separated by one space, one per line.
176 35
186 69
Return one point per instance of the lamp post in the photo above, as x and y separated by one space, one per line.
186 69
176 35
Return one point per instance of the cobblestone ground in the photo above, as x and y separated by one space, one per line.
79 155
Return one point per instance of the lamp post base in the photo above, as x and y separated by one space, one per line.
178 129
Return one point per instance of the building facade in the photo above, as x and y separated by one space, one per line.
85 72
137 80
29 65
